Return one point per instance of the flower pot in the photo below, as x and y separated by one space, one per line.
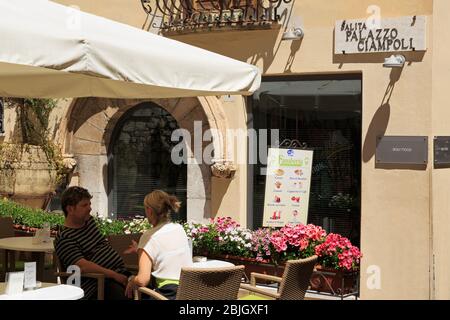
252 265
121 242
22 231
29 179
336 282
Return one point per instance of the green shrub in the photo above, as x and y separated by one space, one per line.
110 227
33 218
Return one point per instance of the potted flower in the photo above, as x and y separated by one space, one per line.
224 239
121 233
338 265
266 250
296 241
221 236
27 220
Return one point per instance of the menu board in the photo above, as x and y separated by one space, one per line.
288 183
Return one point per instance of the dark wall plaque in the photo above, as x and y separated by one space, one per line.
402 150
442 152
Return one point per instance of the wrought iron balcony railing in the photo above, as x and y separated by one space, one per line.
195 14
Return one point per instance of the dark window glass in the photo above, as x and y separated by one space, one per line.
2 128
141 161
326 115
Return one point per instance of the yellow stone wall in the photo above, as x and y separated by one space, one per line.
398 235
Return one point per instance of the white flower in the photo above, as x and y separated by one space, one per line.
109 220
127 232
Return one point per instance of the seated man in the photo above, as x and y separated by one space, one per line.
81 243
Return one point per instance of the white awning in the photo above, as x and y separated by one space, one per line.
50 50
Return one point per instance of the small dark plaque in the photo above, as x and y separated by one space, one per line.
402 150
442 152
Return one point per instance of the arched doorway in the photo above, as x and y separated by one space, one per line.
140 161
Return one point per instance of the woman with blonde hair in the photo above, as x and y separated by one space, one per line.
163 250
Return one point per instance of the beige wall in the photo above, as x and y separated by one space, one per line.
124 11
395 203
440 127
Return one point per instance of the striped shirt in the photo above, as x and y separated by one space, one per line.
88 243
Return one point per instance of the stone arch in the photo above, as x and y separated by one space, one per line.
90 123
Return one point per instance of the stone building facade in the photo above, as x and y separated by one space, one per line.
403 211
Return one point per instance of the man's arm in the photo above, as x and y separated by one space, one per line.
89 266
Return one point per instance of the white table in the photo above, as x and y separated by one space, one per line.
212 264
49 291
26 244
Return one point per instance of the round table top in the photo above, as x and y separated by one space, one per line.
43 285
48 291
25 244
212 264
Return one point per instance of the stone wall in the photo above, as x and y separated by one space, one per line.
89 129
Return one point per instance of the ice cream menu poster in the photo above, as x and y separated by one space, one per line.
288 182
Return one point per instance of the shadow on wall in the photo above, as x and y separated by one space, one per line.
379 124
219 188
295 47
248 46
251 46
85 108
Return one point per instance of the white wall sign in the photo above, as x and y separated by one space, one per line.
288 181
392 35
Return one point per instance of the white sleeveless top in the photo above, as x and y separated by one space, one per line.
169 249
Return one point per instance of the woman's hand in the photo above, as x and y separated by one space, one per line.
132 248
120 278
129 291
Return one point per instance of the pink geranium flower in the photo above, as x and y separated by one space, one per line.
337 252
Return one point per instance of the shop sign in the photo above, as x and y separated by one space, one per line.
288 182
442 152
391 35
402 150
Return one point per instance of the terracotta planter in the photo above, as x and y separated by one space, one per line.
336 282
121 242
24 231
252 265
29 180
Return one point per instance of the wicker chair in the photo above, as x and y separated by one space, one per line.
205 284
7 260
293 283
